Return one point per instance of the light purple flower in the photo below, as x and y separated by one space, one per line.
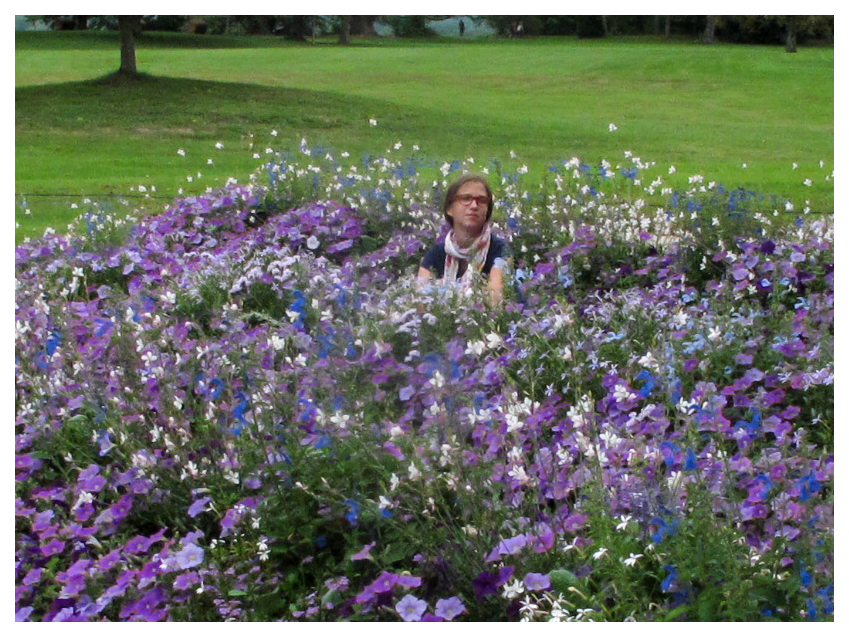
363 553
197 507
406 393
186 580
52 548
537 582
411 608
32 577
22 614
190 556
449 608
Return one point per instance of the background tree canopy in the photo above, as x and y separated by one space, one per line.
751 29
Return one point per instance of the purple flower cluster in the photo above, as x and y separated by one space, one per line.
168 387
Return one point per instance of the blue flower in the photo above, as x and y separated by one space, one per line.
668 449
812 609
669 580
808 486
645 390
241 408
690 460
53 342
216 386
353 511
663 529
752 425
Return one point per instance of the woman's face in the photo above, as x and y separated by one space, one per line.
468 210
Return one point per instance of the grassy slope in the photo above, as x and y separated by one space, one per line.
704 109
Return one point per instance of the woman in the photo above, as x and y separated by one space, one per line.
470 249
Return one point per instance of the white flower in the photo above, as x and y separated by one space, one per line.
475 347
493 340
513 589
181 152
312 243
621 393
674 480
599 553
513 422
340 420
219 145
807 182
624 519
611 127
413 472
372 122
519 474
632 559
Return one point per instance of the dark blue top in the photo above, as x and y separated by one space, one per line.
434 260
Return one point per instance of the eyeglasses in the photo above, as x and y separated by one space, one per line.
467 200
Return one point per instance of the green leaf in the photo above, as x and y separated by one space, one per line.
393 554
676 612
561 580
332 597
236 593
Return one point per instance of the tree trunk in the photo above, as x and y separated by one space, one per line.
363 25
127 25
345 30
604 25
709 36
791 34
667 28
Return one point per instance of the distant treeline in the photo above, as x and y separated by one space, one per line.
753 29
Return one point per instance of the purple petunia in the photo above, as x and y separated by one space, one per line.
363 553
537 582
197 507
189 556
449 608
411 608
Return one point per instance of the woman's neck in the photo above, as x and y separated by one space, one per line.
463 238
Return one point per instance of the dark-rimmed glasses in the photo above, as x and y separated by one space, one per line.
467 200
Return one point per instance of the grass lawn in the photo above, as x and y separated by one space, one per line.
706 110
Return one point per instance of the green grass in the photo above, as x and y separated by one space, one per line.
707 110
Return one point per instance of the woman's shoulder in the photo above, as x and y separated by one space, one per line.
436 249
500 247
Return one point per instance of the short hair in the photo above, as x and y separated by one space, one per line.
456 185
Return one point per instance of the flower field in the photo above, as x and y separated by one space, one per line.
244 409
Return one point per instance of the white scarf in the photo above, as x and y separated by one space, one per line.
474 255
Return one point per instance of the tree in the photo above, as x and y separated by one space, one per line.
363 25
128 26
345 30
792 27
709 36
